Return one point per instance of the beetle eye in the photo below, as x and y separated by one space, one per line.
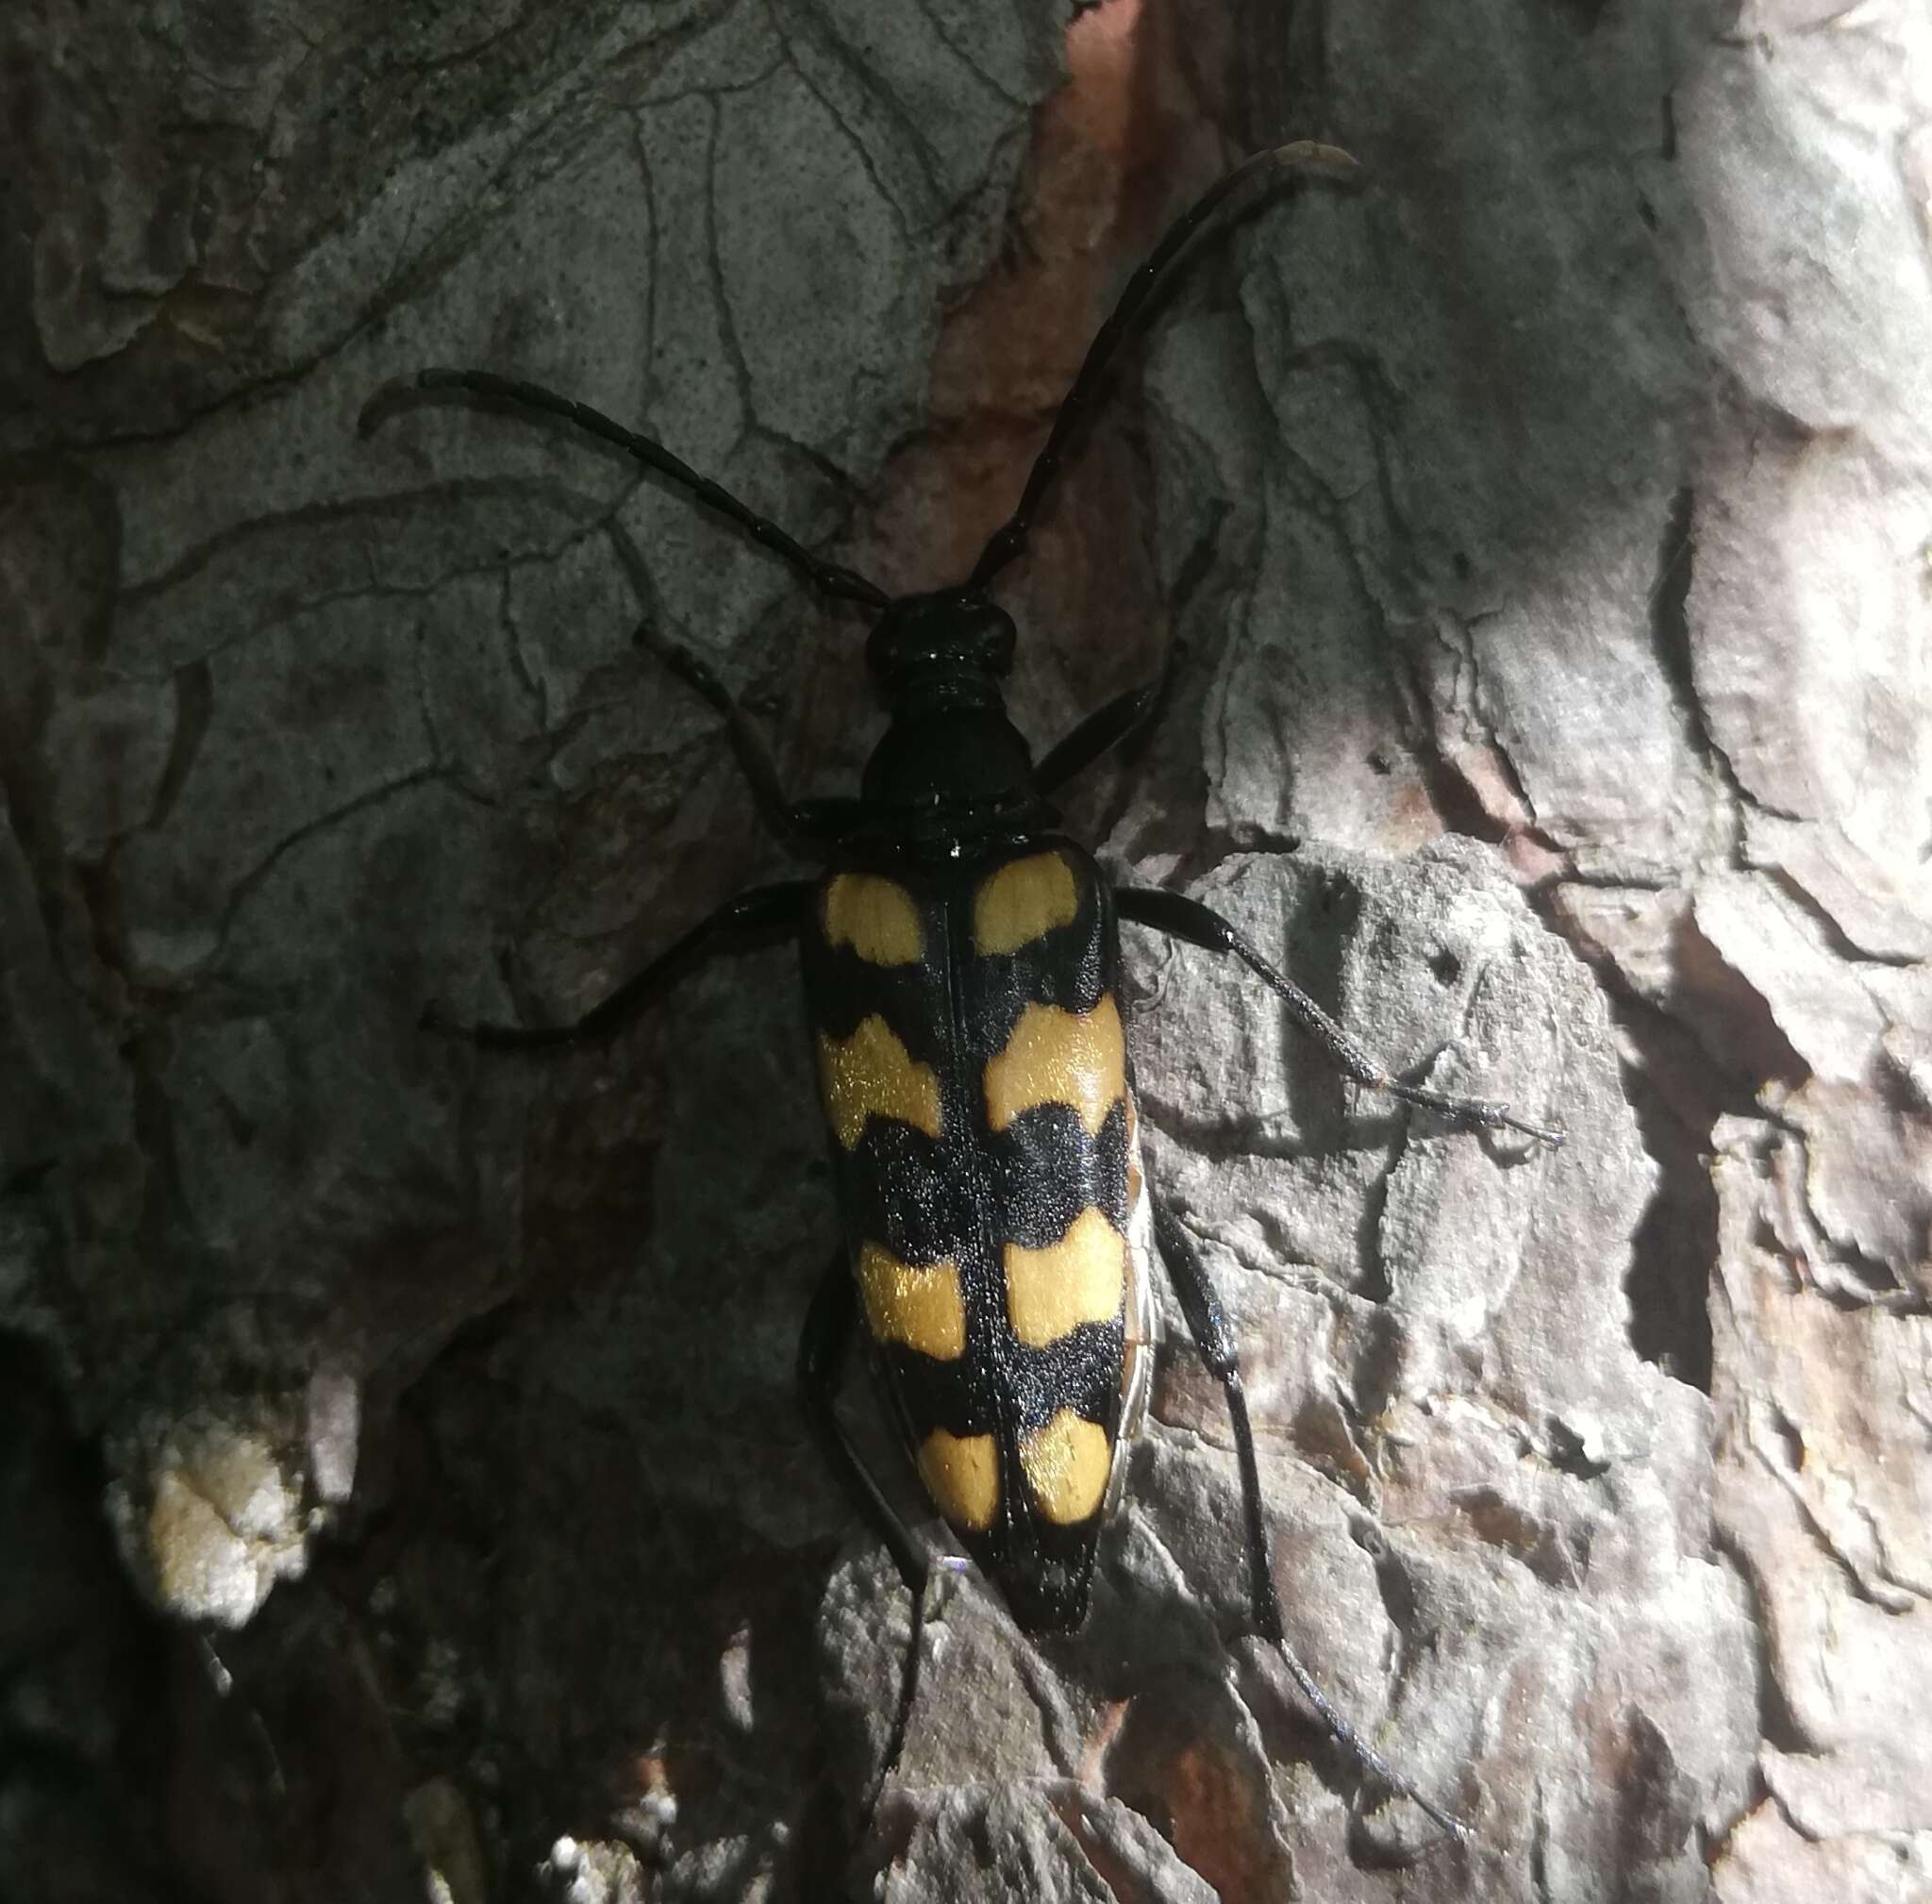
995 646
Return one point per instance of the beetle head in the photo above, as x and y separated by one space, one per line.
953 646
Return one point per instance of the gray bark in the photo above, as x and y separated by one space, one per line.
1547 519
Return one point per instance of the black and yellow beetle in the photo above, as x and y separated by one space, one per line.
961 958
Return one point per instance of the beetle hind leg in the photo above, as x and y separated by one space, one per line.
822 1348
1207 1324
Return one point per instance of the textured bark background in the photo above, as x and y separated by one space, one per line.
1549 521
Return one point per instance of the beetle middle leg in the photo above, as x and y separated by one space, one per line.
823 1347
751 919
1207 1324
1184 918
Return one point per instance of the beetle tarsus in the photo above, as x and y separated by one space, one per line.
1500 1116
901 1713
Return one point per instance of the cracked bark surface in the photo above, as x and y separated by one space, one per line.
1547 522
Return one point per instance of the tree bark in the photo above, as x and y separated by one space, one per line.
1546 517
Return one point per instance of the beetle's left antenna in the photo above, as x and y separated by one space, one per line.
1010 540
830 578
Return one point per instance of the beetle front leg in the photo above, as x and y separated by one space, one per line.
753 918
830 1324
1185 918
1207 1324
805 827
1127 720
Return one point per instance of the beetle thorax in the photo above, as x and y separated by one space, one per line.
938 660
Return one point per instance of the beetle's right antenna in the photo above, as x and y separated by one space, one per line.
841 584
1010 539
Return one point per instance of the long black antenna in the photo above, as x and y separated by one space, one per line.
1010 539
841 584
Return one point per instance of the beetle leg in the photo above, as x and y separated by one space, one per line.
1185 918
1207 1324
829 1327
740 924
803 826
1125 720
1129 720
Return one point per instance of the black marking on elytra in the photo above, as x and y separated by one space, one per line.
1047 1169
966 1194
1081 1370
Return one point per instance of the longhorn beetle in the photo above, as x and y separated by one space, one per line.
959 959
